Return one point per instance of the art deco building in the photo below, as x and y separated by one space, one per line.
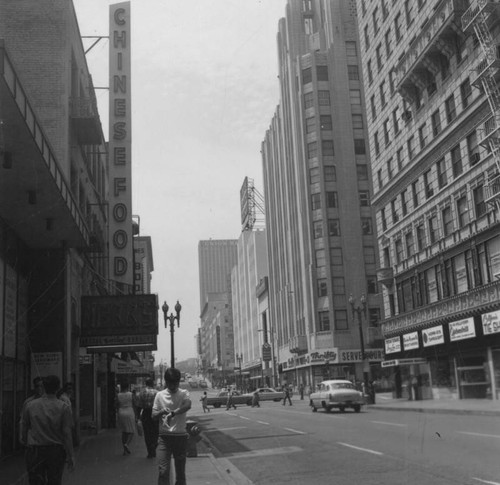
430 71
319 223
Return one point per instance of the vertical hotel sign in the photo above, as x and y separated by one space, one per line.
120 145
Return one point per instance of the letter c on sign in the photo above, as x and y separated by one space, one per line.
120 239
119 14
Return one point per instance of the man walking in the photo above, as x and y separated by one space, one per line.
46 432
204 400
170 407
144 411
287 396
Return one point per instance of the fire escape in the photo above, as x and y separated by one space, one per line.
482 17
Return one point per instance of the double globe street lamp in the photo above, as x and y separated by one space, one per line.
172 318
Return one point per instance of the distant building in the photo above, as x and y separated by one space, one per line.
317 186
432 101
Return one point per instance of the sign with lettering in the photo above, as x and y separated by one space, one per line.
120 145
392 345
372 355
433 336
491 323
46 364
410 341
395 362
266 352
462 329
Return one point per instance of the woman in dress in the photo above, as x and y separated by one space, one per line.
125 416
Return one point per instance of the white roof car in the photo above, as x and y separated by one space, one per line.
336 393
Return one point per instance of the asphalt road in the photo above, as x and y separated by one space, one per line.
277 444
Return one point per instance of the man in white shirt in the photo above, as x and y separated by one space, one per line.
170 408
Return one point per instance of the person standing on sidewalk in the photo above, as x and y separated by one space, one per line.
35 394
46 433
126 417
145 409
170 407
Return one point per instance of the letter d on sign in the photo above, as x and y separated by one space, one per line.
120 266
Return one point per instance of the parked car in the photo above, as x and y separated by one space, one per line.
221 399
193 384
268 394
336 393
203 384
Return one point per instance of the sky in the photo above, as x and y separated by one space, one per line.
204 90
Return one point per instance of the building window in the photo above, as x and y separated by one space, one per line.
324 98
322 287
466 93
325 122
367 37
310 124
355 96
330 173
359 146
463 212
394 212
371 285
322 73
362 172
366 226
447 221
306 75
376 143
429 191
390 172
421 237
353 72
395 121
327 148
398 246
324 321
350 50
456 161
375 20
397 26
331 200
388 47
312 150
316 201
314 177
392 77
386 254
333 227
370 71
373 106
433 229
336 256
436 123
404 205
341 320
451 111
364 198
479 203
473 148
338 285
308 100
399 158
411 147
383 219
410 244
387 140
422 136
414 193
383 101
378 55
320 258
441 173
318 229
357 122
408 12
379 178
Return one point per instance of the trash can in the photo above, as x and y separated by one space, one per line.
193 431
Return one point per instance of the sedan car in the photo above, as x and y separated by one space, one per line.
268 394
337 393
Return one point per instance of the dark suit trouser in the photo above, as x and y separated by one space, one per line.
150 431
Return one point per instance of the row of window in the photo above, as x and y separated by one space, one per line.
421 139
340 319
473 268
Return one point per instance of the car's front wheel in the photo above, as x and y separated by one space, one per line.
357 408
217 405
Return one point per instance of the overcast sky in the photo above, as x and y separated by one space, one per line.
204 90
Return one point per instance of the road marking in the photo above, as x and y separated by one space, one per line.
244 417
270 451
262 422
480 434
295 431
389 424
360 449
227 429
486 481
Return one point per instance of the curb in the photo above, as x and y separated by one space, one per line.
474 412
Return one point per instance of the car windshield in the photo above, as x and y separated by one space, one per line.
342 385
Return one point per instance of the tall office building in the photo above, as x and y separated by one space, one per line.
430 74
216 258
320 231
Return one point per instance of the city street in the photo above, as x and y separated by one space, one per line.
281 444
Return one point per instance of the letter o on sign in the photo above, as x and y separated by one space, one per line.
120 212
120 239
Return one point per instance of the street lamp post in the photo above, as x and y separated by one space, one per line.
239 358
172 318
361 310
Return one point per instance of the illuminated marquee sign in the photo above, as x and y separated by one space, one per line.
120 144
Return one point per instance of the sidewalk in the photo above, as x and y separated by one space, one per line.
99 458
